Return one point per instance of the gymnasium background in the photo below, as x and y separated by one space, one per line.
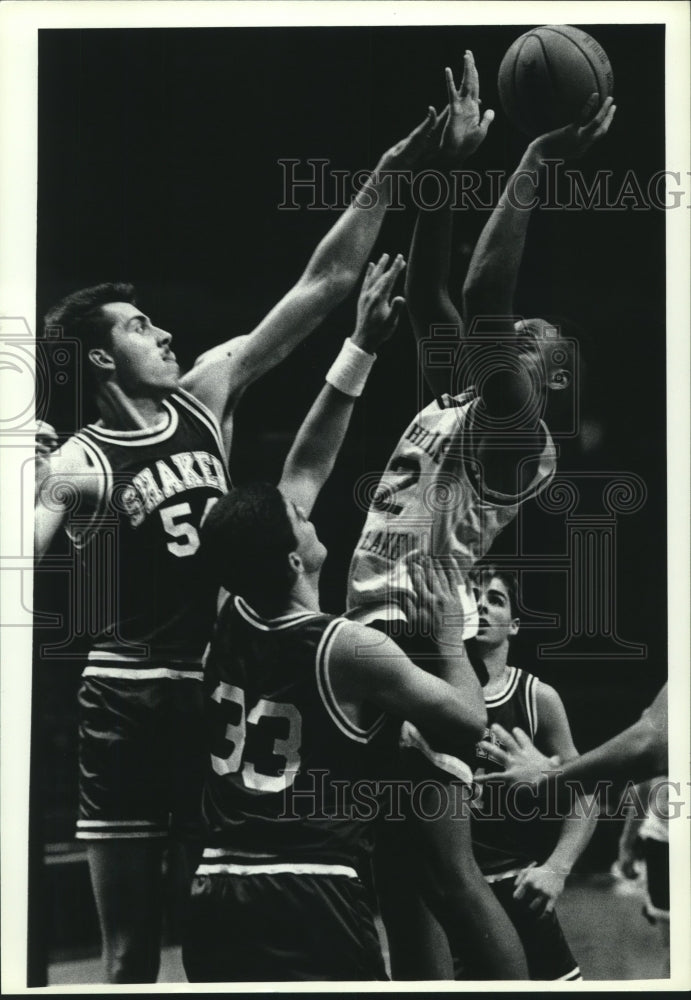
159 164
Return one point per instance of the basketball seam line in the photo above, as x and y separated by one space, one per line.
561 34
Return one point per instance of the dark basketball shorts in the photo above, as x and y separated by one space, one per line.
142 757
278 923
546 949
656 854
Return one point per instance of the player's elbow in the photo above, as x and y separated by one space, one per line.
328 285
648 751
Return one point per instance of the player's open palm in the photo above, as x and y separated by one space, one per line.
576 139
464 129
378 310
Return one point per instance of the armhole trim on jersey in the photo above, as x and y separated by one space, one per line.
105 482
204 414
269 624
531 704
329 700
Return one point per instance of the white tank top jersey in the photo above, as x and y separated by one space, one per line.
431 500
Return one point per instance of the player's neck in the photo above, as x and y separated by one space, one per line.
305 594
120 411
495 662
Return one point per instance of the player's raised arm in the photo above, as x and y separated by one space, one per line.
490 282
461 130
222 374
312 457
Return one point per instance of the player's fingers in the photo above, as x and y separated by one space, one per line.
588 109
498 754
397 306
521 877
452 93
471 75
379 267
522 739
387 279
505 737
603 128
487 120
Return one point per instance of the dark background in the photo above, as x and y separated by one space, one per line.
158 156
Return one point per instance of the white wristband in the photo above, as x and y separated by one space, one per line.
350 369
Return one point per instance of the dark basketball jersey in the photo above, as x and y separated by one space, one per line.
291 779
140 544
503 839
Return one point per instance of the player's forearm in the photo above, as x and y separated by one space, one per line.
313 455
575 835
639 752
342 253
490 283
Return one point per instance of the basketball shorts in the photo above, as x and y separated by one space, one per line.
142 757
656 855
419 762
286 923
546 949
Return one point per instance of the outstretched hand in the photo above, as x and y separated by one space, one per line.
377 313
576 139
519 758
436 610
462 127
411 152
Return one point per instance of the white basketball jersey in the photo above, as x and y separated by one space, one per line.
431 500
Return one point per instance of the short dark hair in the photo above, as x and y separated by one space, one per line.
80 315
487 570
246 539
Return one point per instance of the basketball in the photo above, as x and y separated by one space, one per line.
548 74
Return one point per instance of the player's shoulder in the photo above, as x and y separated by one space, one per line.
546 695
354 643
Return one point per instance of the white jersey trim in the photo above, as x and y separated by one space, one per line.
147 435
142 673
203 413
507 692
297 868
270 624
531 703
326 692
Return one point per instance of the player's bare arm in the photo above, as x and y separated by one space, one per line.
542 885
221 375
381 675
312 457
490 283
461 128
61 476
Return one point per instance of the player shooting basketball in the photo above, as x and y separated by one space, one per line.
462 469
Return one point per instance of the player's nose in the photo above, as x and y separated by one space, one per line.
163 338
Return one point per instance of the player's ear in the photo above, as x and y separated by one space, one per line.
514 626
101 359
296 563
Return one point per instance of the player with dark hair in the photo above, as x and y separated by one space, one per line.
134 488
299 734
465 464
525 861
